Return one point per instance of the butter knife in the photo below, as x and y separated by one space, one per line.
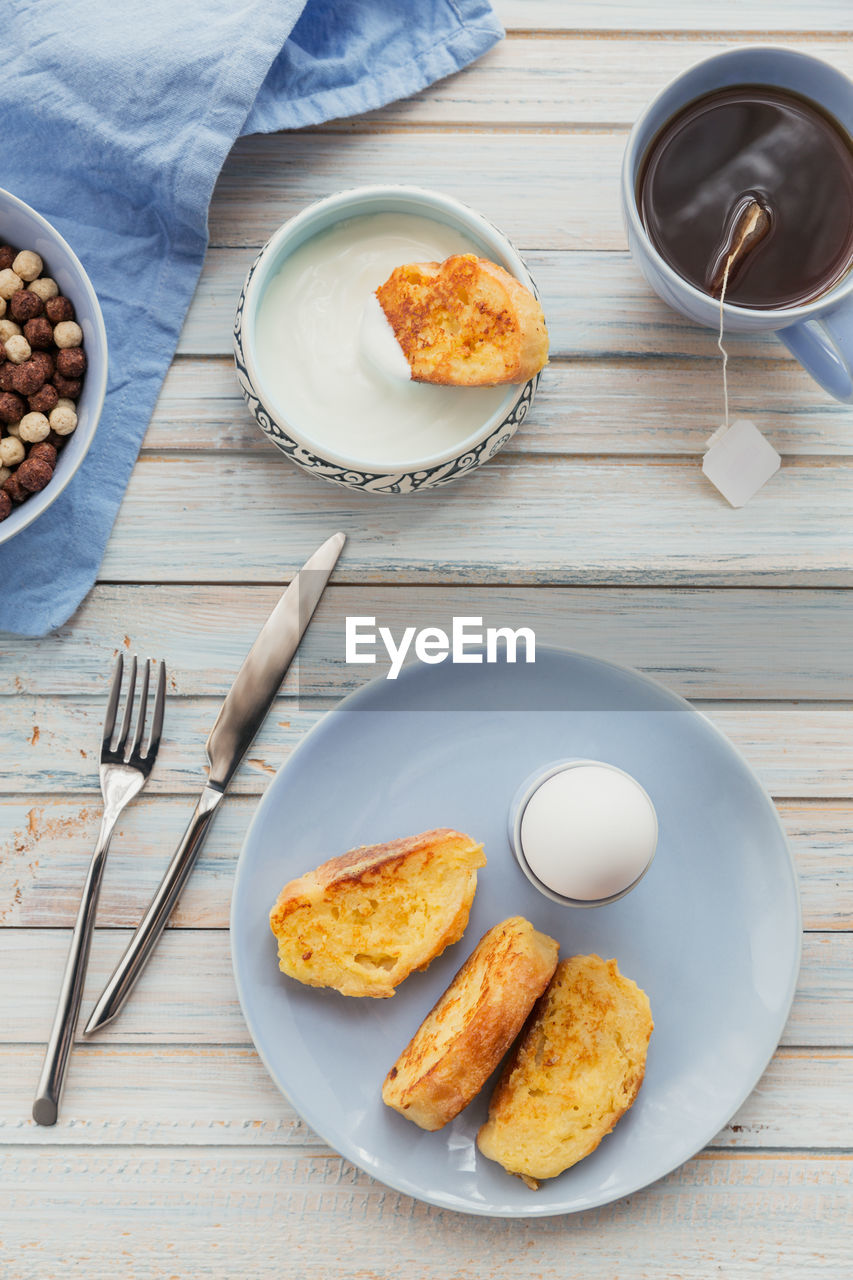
241 715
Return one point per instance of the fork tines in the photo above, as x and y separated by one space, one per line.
120 751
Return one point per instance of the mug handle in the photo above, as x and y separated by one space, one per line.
824 347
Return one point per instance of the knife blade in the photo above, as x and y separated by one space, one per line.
240 717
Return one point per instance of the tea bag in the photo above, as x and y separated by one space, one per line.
739 459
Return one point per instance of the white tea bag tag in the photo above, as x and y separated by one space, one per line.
739 461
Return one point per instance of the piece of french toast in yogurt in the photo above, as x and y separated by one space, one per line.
465 322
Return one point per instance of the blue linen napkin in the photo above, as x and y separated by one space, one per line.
116 119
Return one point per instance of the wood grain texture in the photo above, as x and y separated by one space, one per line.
271 177
754 16
664 407
673 527
220 1212
48 841
187 995
186 1095
701 643
544 82
801 750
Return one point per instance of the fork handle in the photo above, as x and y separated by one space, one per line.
49 1090
143 942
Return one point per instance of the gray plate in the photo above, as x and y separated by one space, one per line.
712 933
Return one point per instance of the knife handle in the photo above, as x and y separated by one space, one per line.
143 942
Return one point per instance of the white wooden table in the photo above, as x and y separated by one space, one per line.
175 1154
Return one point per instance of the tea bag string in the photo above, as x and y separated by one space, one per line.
725 353
747 227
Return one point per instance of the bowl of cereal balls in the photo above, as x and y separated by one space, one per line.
53 364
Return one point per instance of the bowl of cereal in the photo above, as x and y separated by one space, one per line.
53 364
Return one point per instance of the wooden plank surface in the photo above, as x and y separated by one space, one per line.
798 750
546 82
674 528
223 1213
187 993
735 644
49 840
754 16
582 407
189 1095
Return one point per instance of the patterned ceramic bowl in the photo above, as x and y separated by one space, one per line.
272 417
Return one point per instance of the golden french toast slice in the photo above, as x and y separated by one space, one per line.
363 921
459 1044
577 1068
465 322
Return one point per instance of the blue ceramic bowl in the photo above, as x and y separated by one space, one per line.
272 417
22 227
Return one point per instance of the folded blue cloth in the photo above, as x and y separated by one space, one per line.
116 119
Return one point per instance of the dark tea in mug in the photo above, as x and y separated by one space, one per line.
752 143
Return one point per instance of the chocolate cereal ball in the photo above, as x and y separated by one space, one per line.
28 378
34 474
24 306
39 333
7 256
6 371
44 361
44 399
59 309
5 504
12 407
71 362
44 450
14 488
68 388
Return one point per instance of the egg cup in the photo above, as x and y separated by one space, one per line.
519 803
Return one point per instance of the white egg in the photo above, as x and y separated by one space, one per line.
588 832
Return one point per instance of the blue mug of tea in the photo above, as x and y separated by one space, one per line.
819 332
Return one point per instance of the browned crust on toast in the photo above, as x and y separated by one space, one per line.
464 1037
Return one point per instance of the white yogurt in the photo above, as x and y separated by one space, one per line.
311 361
379 342
588 832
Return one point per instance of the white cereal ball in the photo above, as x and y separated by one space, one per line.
11 451
63 419
2 306
8 329
17 348
44 288
68 334
13 429
27 265
4 474
10 282
34 427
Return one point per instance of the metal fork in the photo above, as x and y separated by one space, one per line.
124 771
